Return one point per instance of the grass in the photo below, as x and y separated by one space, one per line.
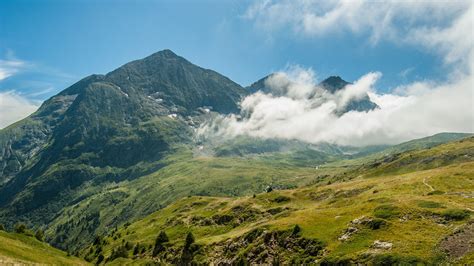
22 249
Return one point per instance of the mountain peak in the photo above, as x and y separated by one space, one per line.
164 53
333 83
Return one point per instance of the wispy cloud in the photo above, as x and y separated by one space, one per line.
14 107
18 98
410 22
9 67
405 72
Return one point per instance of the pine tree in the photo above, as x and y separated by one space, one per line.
188 252
160 240
189 240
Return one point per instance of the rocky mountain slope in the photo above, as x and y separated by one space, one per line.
105 128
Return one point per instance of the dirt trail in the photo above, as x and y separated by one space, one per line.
428 185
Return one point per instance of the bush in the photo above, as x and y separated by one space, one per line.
100 259
436 192
386 211
296 230
375 223
281 198
456 214
120 252
39 235
20 228
2 228
253 234
136 249
128 245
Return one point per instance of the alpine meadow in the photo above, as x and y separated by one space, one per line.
351 142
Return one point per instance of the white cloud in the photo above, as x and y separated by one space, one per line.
10 67
417 112
302 111
14 107
435 24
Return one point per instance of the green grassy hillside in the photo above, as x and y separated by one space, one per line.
101 208
415 208
20 249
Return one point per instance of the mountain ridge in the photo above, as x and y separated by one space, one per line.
332 84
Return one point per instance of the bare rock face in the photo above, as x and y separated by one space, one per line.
460 242
348 233
378 244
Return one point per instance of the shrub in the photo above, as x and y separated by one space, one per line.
281 198
2 228
253 234
456 214
100 259
136 249
39 235
386 211
128 245
20 228
120 252
222 219
296 230
375 223
436 192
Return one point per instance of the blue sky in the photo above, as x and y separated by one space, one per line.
64 41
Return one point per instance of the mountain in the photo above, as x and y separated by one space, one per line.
332 85
336 83
105 128
412 209
112 149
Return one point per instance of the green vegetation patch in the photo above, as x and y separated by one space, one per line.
429 204
456 214
386 211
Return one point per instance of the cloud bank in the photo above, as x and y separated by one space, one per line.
297 109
